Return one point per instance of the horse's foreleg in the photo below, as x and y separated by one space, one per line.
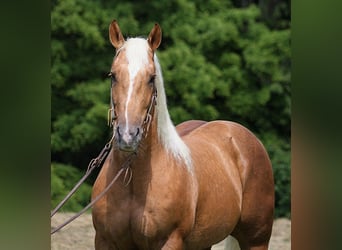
102 244
174 242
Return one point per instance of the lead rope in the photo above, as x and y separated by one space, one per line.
95 162
125 167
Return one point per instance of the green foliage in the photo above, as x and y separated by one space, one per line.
86 122
221 60
63 179
278 150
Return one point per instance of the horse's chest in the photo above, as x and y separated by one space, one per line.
145 215
143 222
149 220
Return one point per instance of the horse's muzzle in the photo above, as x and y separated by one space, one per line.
128 138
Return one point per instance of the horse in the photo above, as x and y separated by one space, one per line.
188 186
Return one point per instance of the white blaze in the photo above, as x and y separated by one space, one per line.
137 57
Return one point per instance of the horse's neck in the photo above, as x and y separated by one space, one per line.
144 163
162 138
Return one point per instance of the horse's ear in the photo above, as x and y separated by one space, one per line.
154 38
115 35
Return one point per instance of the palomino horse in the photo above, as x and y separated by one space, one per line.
189 186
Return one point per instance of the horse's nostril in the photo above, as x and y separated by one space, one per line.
118 130
134 132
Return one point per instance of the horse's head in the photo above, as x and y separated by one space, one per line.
133 89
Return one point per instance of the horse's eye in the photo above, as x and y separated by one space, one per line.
112 77
152 79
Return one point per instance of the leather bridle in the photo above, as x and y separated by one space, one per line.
148 118
112 117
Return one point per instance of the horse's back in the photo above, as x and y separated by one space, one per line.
235 142
186 127
232 161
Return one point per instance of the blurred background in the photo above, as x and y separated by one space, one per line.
228 60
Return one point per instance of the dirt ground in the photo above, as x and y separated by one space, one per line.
79 235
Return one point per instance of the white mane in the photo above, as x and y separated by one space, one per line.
167 133
166 130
